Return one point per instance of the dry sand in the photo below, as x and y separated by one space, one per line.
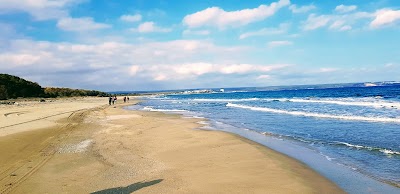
80 146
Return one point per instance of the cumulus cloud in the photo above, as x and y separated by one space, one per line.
118 64
148 27
314 22
40 10
134 69
19 60
344 9
301 9
283 28
326 70
278 43
217 17
80 24
264 77
190 70
390 65
385 17
340 22
196 32
131 18
340 25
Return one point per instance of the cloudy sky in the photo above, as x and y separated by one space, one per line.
172 44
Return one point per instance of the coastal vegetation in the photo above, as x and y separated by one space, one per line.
15 87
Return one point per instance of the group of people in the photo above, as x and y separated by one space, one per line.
113 99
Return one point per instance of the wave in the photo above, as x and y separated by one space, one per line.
162 110
375 104
225 100
383 150
327 157
318 115
367 102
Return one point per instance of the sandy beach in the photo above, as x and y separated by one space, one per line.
82 145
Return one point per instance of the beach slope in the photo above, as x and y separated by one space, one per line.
106 149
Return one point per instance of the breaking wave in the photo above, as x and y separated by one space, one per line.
317 115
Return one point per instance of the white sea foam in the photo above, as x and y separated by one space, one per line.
351 145
318 115
327 157
162 110
198 117
192 117
203 123
225 100
383 150
352 102
367 102
389 152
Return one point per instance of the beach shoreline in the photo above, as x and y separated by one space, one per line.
108 148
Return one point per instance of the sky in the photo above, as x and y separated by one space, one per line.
130 45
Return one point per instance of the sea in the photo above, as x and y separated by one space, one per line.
349 133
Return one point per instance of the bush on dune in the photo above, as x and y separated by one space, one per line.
15 87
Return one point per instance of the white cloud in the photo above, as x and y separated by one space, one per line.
80 24
385 17
340 22
134 69
345 28
215 16
344 9
314 22
39 9
326 70
196 32
302 9
283 28
116 65
19 59
279 43
148 27
264 77
190 70
340 25
131 18
389 65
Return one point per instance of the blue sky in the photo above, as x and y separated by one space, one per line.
151 45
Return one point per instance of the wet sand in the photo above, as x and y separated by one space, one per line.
96 148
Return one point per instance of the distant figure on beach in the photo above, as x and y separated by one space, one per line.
110 99
115 100
127 98
124 99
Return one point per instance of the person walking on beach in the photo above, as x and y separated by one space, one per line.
124 99
109 100
127 98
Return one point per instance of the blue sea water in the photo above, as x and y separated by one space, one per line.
349 134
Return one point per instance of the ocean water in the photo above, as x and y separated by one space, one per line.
350 134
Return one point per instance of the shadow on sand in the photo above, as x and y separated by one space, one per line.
128 189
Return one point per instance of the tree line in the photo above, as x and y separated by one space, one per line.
15 87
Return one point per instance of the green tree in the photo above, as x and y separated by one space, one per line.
14 87
3 92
